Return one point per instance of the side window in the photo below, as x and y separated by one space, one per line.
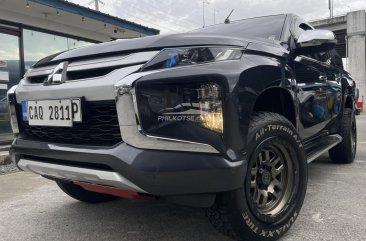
336 59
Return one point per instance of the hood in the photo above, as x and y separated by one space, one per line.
150 43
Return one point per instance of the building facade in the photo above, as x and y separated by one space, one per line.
31 30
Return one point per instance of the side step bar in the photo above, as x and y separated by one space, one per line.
320 146
112 179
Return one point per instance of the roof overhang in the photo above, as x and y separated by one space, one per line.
71 19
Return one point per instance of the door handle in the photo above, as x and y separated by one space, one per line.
323 78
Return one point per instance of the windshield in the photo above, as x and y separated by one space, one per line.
269 27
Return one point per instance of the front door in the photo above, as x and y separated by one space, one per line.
318 94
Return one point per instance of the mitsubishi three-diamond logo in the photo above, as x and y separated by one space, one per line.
58 75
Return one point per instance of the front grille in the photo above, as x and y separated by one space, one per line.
75 75
38 79
99 127
90 73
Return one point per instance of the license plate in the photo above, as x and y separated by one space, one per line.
63 112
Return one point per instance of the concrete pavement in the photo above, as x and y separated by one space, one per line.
33 208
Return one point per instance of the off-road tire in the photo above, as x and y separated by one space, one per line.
234 213
79 193
345 151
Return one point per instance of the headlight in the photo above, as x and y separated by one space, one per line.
174 57
186 111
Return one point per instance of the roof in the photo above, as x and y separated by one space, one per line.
93 14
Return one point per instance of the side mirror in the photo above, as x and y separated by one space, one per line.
315 41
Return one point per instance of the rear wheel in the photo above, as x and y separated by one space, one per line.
79 193
345 151
274 189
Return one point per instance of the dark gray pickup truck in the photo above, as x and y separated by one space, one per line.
225 117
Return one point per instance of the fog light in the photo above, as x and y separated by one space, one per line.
209 96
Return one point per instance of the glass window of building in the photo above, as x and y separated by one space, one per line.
74 43
9 76
38 45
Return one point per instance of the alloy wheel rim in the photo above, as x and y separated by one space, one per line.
271 180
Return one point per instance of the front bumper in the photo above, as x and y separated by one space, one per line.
152 171
142 163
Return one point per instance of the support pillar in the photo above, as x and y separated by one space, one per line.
356 34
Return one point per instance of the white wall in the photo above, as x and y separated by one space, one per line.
356 32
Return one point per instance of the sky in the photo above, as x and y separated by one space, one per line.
171 16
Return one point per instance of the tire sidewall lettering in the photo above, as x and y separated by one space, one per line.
268 233
278 127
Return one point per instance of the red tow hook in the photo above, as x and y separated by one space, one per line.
114 191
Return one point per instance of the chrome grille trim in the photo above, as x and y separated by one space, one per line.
12 109
92 64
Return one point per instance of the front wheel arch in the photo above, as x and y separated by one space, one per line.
277 100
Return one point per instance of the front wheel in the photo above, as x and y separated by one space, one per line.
271 197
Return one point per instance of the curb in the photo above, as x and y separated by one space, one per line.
4 148
4 158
